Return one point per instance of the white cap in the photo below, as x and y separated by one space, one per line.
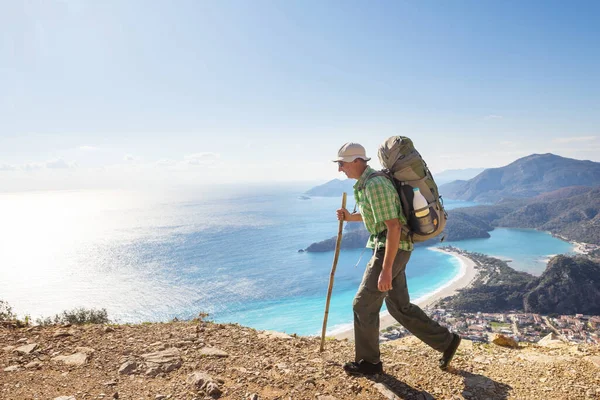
350 152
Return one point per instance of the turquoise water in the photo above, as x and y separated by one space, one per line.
231 253
526 249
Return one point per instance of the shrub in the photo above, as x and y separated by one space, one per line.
77 316
6 313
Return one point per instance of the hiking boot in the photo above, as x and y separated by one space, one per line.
363 368
449 352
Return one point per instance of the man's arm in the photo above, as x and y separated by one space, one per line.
345 215
392 242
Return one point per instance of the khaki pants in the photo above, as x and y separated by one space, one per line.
368 302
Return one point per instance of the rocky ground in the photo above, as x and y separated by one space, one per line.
203 360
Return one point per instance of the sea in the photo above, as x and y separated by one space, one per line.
231 252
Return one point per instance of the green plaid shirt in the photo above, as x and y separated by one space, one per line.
379 202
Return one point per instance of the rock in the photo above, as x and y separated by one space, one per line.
152 372
158 358
85 350
165 361
385 391
160 397
550 340
202 381
212 352
27 349
274 335
8 349
594 360
77 359
253 396
65 398
61 333
128 368
108 329
12 368
198 379
505 341
212 389
110 383
33 364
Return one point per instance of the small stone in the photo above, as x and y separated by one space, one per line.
65 398
212 352
152 372
274 335
12 368
8 348
27 349
85 350
108 329
77 359
160 397
212 389
33 364
61 333
128 368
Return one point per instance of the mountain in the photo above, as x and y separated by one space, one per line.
575 218
524 178
452 175
497 288
333 188
569 285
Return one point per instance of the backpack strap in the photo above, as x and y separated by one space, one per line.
386 173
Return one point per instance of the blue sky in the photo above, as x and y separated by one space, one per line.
111 93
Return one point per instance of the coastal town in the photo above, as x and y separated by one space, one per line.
522 327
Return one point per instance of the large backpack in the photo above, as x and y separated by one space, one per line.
405 167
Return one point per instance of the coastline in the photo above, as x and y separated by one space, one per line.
466 275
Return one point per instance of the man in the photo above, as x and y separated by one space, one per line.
384 278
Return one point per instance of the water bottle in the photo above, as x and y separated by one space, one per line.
422 214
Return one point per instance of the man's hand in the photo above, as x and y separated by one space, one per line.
385 280
343 214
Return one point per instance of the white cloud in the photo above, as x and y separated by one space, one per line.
6 167
88 148
575 139
59 163
129 157
492 116
202 158
32 166
165 163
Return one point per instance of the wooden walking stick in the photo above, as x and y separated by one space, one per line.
335 260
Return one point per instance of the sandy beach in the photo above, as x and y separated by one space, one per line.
466 275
